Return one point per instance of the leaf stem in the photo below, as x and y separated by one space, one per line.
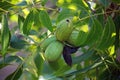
103 60
96 15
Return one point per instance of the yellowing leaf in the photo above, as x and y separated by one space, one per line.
84 28
111 50
113 34
73 7
60 2
69 1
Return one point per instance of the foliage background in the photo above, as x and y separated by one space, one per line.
26 23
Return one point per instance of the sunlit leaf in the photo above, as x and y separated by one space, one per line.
20 22
72 4
5 35
82 3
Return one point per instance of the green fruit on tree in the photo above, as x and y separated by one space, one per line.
46 42
53 51
77 38
64 29
73 38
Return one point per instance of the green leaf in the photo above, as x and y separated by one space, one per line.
84 70
22 3
17 43
104 75
113 32
43 2
5 35
38 61
33 32
57 68
33 76
46 69
9 59
4 6
82 57
45 20
15 75
100 18
82 4
82 37
56 65
94 33
37 22
105 3
108 35
79 76
116 1
72 4
28 23
117 24
3 65
62 70
65 13
20 23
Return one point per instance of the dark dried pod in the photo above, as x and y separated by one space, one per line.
67 56
67 51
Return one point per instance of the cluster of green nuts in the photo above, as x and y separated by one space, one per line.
53 46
